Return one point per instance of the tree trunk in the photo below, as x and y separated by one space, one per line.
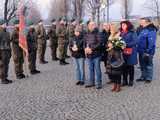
126 9
6 11
108 7
75 9
98 16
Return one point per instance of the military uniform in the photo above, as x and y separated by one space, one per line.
42 43
32 50
53 41
70 33
5 55
62 34
17 53
71 30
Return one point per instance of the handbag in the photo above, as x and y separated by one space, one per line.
128 51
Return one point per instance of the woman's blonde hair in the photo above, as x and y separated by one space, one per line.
114 28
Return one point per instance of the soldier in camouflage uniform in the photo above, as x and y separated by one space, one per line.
32 49
42 42
71 29
5 53
62 35
70 34
53 40
17 52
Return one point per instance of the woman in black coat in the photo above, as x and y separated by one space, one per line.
77 52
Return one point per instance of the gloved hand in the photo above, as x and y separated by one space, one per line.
146 57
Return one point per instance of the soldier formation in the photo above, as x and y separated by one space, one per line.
59 35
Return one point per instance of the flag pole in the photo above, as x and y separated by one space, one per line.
22 36
26 64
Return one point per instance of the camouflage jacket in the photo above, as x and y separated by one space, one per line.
52 34
15 36
62 34
4 40
71 29
41 34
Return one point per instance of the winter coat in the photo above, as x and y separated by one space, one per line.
114 58
78 41
147 40
93 40
115 62
131 41
104 39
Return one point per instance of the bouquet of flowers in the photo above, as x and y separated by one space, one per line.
116 43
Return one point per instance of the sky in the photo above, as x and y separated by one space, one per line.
115 12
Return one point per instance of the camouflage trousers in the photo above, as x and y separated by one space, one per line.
32 60
54 51
18 59
61 52
5 56
41 52
66 48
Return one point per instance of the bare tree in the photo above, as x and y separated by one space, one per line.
10 8
126 8
97 7
154 6
34 14
59 8
91 7
78 6
106 5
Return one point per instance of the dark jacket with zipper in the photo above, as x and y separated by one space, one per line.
93 40
78 40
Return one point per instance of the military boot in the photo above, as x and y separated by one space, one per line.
6 81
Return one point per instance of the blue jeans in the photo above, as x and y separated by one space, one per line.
146 67
79 67
94 71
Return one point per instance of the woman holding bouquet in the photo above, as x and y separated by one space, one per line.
130 52
115 60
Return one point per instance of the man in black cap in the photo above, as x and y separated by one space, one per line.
53 40
17 51
42 42
5 53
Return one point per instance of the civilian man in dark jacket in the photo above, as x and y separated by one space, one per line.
92 45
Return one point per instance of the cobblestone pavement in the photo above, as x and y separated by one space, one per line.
52 95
